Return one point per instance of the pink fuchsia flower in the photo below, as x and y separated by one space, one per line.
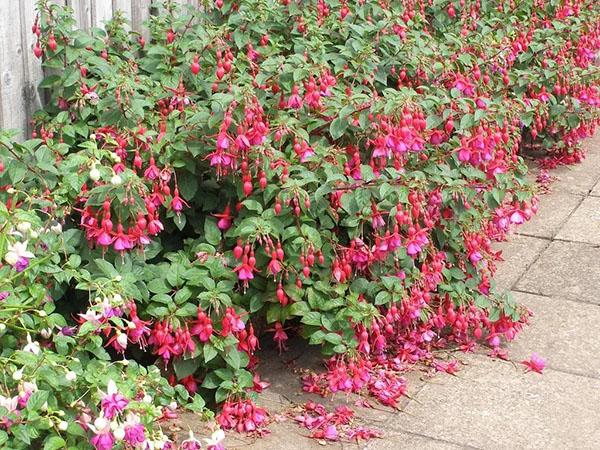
177 203
295 101
475 257
331 433
134 430
91 316
534 364
103 439
4 295
202 328
225 219
113 402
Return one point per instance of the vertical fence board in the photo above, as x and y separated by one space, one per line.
32 66
140 12
82 12
12 108
101 12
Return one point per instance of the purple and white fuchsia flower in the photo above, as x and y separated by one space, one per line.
134 430
191 443
215 441
32 346
18 256
103 438
113 402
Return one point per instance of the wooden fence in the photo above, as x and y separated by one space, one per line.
21 71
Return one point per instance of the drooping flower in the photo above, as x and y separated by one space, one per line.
191 443
32 346
215 442
134 430
18 256
113 402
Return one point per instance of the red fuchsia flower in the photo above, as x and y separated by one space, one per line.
274 266
242 416
295 101
258 384
225 219
387 387
122 241
163 341
113 402
118 341
202 328
177 203
534 364
152 171
246 270
280 337
183 342
189 383
231 323
303 150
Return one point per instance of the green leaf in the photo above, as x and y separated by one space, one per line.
186 367
338 127
37 399
312 318
212 234
158 286
209 352
54 443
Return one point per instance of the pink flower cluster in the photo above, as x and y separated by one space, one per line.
332 426
242 416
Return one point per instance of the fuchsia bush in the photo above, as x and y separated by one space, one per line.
255 169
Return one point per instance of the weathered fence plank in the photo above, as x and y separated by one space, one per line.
140 12
12 80
82 12
32 68
102 11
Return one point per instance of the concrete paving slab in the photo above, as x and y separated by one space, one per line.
554 210
396 441
519 252
584 224
580 178
560 333
566 270
493 404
